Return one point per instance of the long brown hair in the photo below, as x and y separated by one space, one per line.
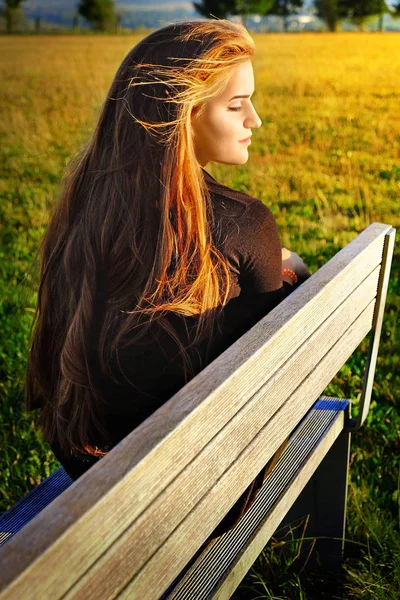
131 233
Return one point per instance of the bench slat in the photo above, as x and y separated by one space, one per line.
118 489
221 566
170 507
32 503
167 562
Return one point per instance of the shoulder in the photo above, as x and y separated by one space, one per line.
245 209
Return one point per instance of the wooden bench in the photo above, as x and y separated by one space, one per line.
137 524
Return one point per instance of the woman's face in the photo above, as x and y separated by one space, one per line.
226 120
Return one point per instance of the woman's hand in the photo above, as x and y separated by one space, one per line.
292 261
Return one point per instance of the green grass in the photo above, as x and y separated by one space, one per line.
326 161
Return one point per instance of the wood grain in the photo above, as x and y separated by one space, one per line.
194 482
222 408
172 556
278 512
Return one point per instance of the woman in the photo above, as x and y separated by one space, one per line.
149 267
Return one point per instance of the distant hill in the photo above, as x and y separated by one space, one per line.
124 6
156 13
121 5
133 12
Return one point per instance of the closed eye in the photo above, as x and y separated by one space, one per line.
235 108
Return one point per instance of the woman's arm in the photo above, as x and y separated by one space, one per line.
263 258
254 247
292 261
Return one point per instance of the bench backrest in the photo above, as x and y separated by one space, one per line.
133 521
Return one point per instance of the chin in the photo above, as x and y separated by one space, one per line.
240 160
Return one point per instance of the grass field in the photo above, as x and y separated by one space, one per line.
327 163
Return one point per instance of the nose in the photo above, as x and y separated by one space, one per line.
253 121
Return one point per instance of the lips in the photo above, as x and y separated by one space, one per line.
248 139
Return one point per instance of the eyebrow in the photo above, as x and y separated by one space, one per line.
234 97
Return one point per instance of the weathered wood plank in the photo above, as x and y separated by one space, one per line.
376 329
114 494
154 526
172 556
274 518
219 557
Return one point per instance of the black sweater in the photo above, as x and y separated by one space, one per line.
245 232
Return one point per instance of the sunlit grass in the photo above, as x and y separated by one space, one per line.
327 163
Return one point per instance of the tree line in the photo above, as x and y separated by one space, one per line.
101 14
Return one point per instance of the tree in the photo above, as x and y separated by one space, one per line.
359 11
395 13
222 8
11 10
331 12
212 8
285 8
383 9
101 13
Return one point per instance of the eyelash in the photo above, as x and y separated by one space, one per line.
235 108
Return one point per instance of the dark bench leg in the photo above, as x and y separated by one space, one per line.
323 500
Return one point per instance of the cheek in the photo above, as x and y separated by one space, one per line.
214 130
222 124
217 122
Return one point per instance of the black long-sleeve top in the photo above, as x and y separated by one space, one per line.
245 232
